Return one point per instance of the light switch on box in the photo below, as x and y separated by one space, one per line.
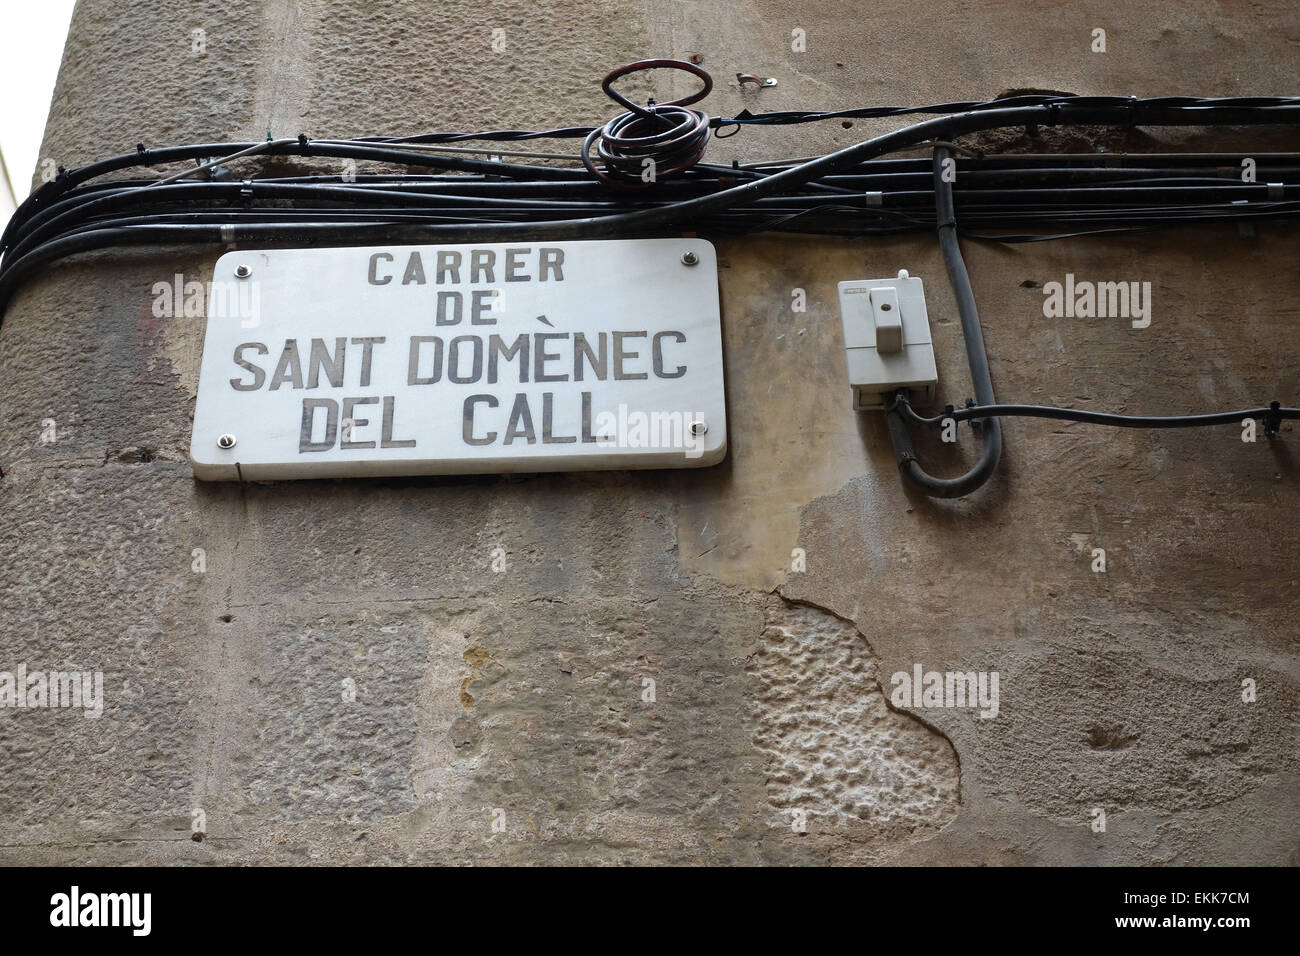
887 340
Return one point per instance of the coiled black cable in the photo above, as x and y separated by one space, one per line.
648 142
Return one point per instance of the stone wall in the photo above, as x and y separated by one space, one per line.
648 680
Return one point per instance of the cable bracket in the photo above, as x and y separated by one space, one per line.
1273 418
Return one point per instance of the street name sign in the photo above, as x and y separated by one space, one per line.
461 359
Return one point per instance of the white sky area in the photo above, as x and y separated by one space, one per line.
31 47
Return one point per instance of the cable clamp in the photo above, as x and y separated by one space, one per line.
1273 418
718 123
898 400
1275 190
246 189
874 198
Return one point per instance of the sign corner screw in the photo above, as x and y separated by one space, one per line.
242 271
689 259
226 441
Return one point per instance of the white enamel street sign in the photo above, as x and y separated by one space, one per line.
461 359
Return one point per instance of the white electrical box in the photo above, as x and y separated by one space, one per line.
887 340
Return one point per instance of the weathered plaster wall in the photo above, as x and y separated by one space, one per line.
523 691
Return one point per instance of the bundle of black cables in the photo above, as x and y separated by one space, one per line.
850 192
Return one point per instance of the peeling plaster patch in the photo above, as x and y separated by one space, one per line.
180 339
795 435
835 749
438 770
475 658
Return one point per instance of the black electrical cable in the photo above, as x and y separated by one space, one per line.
32 211
639 217
976 358
987 411
1270 415
1056 111
787 117
32 240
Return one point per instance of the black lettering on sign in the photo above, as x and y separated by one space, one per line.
448 261
289 368
496 347
467 423
478 307
482 261
349 415
414 270
552 261
587 436
259 376
481 266
386 440
455 298
514 262
521 422
367 343
413 363
321 359
309 406
541 357
373 276
599 366
548 415
658 348
620 354
453 360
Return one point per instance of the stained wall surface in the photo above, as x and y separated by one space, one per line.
520 697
